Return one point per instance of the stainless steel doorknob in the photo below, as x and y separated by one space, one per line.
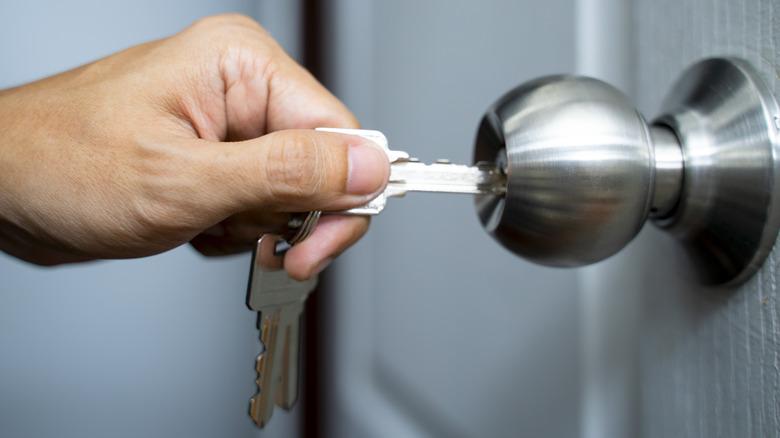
585 170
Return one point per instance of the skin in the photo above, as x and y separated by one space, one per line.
204 137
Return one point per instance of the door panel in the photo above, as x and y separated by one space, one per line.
709 358
436 331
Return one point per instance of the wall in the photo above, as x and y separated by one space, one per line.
156 347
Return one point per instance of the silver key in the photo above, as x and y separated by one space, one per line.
410 175
279 300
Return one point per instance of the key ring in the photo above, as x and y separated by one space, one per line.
301 226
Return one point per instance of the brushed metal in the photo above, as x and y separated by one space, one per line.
579 166
585 170
726 120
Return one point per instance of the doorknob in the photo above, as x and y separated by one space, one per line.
585 170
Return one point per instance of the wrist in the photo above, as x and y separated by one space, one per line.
11 115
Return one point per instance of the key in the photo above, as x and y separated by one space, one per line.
279 301
408 174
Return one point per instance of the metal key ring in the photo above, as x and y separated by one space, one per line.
302 227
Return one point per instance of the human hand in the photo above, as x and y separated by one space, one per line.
203 137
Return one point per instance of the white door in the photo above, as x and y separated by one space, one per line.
708 359
436 331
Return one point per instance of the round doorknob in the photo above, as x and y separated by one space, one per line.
585 170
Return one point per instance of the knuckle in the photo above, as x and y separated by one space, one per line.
228 28
237 39
297 166
222 21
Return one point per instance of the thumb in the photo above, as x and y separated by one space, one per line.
303 170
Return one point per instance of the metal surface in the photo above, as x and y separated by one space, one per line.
579 166
444 177
584 170
279 300
727 121
668 171
301 229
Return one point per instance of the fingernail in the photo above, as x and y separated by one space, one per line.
323 264
368 169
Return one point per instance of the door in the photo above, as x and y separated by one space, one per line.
433 330
708 358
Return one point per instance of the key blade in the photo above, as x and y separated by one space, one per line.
261 405
445 177
410 175
277 365
279 300
287 393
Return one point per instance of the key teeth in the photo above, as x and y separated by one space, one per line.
254 413
258 420
257 416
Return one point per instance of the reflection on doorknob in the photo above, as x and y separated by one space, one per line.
585 171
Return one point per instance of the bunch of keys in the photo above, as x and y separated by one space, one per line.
279 299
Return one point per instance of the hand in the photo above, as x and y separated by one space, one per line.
204 137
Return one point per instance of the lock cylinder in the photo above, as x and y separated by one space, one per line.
668 171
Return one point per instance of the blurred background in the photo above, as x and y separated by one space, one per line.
427 327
